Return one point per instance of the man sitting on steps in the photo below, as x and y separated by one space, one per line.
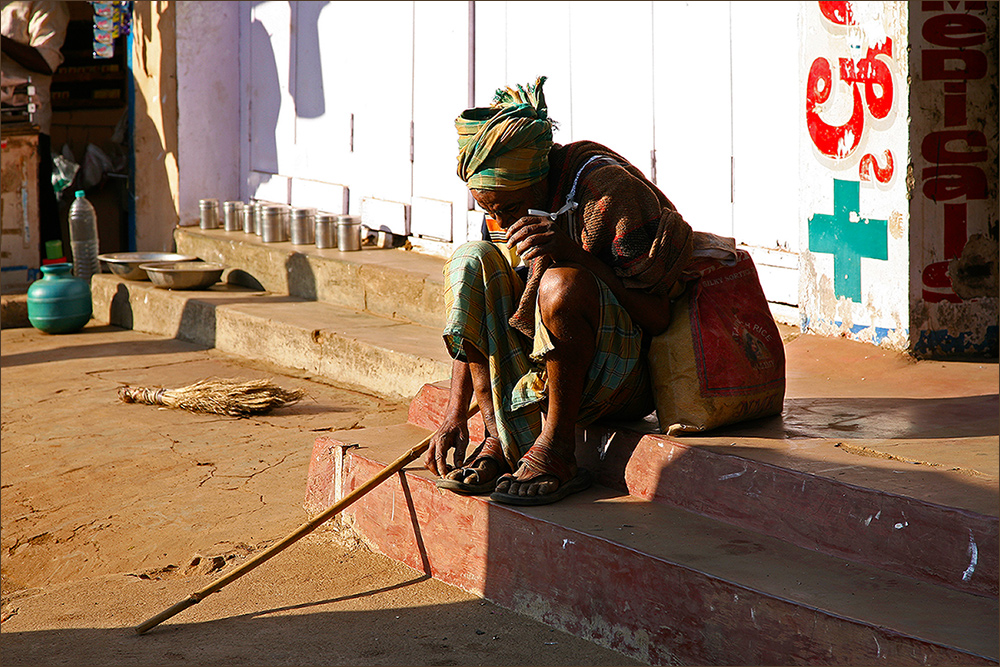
604 248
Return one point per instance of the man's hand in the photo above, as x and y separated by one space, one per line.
533 236
453 434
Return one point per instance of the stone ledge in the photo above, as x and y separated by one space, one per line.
14 311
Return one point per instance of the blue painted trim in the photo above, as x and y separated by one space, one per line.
13 268
932 343
131 142
940 342
881 333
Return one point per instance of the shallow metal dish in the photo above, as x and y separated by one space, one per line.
183 275
126 264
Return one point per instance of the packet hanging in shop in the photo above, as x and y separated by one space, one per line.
104 9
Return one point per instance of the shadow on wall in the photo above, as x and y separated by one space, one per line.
310 100
301 279
265 102
155 129
306 84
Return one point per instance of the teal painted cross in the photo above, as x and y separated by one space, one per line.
849 237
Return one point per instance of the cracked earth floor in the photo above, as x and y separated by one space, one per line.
113 512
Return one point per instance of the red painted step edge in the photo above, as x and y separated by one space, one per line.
647 608
942 545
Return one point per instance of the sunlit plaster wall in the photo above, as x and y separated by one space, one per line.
854 261
155 131
208 104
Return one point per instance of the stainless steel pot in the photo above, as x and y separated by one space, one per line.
303 226
326 230
275 225
348 232
209 209
232 216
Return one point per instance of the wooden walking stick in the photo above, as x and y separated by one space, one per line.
295 536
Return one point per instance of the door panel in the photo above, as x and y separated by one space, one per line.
765 115
538 44
380 97
765 142
611 56
324 56
440 94
691 62
272 111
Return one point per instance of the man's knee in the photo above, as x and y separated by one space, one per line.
568 292
474 256
476 251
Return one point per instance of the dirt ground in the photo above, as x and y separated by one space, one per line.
112 513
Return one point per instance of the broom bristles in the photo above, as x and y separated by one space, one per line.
231 397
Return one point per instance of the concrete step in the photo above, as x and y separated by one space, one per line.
814 495
921 548
391 282
651 580
356 349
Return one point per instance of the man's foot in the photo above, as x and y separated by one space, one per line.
480 472
542 477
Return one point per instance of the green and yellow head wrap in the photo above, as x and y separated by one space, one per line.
505 146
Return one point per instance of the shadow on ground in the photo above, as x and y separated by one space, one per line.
468 633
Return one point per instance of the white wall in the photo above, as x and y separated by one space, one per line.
855 258
331 89
208 104
315 104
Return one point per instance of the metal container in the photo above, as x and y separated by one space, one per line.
348 232
183 275
258 215
232 216
249 218
209 213
126 264
303 226
326 230
275 226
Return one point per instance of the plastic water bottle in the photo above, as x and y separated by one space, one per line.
83 237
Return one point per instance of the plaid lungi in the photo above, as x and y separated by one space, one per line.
482 292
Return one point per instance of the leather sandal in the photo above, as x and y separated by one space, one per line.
490 448
540 461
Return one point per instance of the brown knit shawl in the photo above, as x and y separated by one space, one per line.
623 219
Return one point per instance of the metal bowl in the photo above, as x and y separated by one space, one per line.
127 264
183 275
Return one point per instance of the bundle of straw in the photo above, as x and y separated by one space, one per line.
231 397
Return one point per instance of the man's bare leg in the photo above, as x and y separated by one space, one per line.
486 468
569 301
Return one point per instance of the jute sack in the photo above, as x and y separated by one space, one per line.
722 360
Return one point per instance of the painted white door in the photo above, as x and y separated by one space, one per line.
330 105
324 147
440 94
766 113
598 65
271 107
693 111
611 61
516 42
537 44
378 67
